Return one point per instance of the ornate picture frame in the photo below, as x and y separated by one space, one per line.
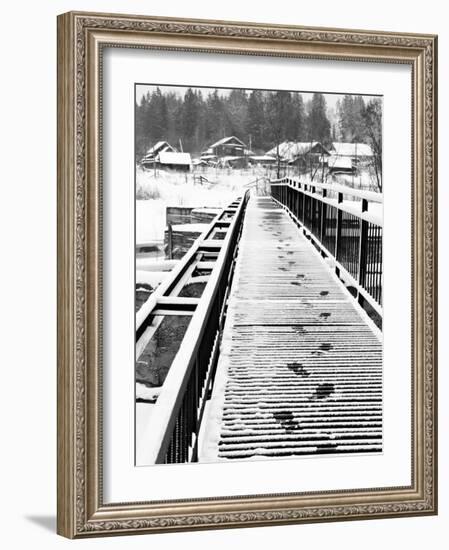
82 38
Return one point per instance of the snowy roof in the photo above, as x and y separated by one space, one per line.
230 158
292 149
160 145
352 149
335 161
225 140
208 157
175 158
263 157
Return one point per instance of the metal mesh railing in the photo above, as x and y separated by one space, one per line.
350 237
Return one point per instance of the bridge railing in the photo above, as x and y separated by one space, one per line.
346 226
171 435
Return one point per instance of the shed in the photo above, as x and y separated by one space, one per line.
262 160
338 164
174 161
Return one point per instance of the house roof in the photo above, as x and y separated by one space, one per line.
225 140
263 157
175 158
158 146
289 150
335 161
352 149
230 158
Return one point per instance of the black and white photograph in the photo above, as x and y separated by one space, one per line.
258 286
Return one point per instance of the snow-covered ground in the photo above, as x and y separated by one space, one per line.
155 192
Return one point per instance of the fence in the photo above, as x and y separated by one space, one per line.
339 222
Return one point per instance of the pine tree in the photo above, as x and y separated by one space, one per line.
189 119
237 110
350 114
255 120
318 125
215 126
298 118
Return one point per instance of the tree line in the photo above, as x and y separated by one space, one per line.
261 119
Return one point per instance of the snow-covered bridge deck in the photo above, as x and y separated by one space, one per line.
300 367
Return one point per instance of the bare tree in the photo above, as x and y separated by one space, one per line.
373 124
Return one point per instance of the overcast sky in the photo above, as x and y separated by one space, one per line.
142 89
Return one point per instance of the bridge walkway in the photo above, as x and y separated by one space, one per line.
300 367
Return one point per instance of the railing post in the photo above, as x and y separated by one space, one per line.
169 241
323 217
338 228
297 196
303 212
363 248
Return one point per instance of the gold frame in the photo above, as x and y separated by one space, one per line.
81 37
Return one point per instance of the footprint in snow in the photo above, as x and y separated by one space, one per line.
286 420
298 369
325 346
323 391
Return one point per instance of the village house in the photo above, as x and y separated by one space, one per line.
354 151
340 165
299 153
163 155
226 147
346 157
152 153
262 160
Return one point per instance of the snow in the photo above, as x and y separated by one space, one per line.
191 227
339 162
179 189
150 264
175 158
205 210
150 221
352 149
292 149
224 140
158 146
144 392
153 279
373 215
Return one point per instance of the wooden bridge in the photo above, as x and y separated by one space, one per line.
279 358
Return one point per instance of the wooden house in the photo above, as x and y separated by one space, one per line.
227 147
152 153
